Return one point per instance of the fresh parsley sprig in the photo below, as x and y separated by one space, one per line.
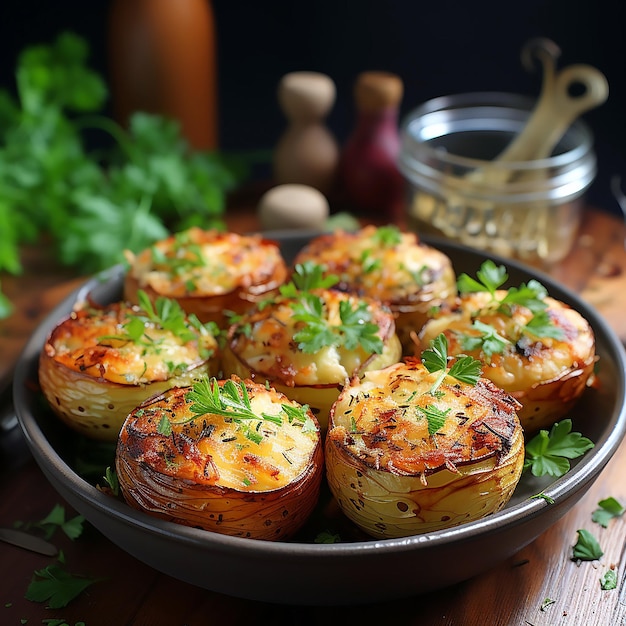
492 277
232 401
355 329
306 277
532 295
435 359
549 453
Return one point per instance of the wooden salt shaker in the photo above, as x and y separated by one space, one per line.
307 153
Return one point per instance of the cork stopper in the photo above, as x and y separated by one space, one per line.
375 91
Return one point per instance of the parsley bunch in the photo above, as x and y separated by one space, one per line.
93 204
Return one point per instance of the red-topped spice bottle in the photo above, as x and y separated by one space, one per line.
370 180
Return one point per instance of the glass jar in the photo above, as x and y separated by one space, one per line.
529 210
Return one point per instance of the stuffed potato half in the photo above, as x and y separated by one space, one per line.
389 265
545 367
248 463
308 345
208 272
100 362
401 460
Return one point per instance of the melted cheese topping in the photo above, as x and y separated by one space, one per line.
393 272
214 450
96 342
264 340
525 360
382 420
205 263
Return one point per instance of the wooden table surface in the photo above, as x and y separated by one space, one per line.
539 586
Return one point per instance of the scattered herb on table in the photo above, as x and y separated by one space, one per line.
608 580
73 527
608 509
587 547
549 453
56 586
91 203
546 603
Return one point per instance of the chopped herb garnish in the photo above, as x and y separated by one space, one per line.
56 520
608 580
356 327
609 508
491 278
542 496
55 585
587 547
306 277
488 340
436 417
550 453
465 369
231 400
387 236
326 536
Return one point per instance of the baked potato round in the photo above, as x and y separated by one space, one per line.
389 265
308 345
544 356
402 459
100 362
229 456
210 273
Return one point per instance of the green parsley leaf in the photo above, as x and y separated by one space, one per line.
543 496
587 547
549 453
387 236
56 586
609 508
490 278
436 417
488 340
356 328
231 400
608 580
326 536
435 359
308 276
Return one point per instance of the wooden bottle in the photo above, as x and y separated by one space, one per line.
307 153
162 59
369 176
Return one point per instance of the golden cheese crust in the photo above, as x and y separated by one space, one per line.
205 471
546 374
394 472
388 265
208 272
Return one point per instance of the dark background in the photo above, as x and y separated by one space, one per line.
438 48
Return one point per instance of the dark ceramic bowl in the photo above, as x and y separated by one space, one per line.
302 571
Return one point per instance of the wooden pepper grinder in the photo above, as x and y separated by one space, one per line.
307 153
369 176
